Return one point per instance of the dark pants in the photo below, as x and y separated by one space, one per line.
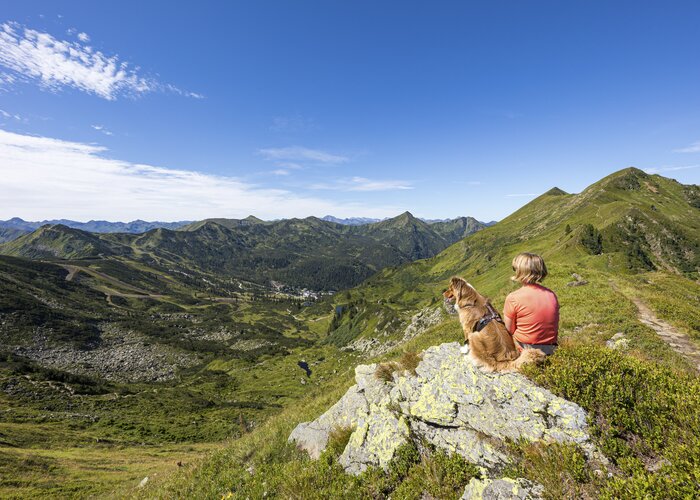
545 348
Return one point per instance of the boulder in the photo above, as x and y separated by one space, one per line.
618 341
449 403
502 489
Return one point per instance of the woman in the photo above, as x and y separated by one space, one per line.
531 313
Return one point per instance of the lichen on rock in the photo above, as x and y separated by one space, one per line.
502 489
449 403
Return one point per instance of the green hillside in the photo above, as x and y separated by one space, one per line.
310 253
150 355
633 238
10 233
58 241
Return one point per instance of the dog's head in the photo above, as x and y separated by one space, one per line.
463 295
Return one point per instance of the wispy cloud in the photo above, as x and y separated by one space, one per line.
521 195
31 55
363 184
14 116
45 178
302 154
280 171
101 128
693 148
291 123
658 170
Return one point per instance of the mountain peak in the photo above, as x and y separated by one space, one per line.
627 179
555 191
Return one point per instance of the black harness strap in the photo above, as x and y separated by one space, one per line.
492 315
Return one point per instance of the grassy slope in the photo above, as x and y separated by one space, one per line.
633 398
51 421
299 252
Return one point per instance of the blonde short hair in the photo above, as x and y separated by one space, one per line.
529 268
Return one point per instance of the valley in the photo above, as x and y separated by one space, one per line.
127 342
140 351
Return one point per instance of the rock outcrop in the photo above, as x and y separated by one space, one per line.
449 403
418 324
501 489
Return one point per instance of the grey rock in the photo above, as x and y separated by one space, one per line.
418 324
313 436
449 403
502 489
618 341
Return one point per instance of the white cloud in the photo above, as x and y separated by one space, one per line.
657 170
302 154
31 55
363 184
101 128
45 178
693 148
7 115
185 93
280 171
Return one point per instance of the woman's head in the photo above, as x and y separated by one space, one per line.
529 268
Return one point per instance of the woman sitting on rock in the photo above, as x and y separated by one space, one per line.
531 313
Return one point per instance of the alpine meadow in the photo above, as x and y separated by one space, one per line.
260 250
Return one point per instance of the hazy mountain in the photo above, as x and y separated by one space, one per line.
11 233
351 221
94 226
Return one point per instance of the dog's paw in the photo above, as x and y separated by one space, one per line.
464 349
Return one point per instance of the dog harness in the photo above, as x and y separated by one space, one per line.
492 315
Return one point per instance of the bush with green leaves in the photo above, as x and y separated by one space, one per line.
645 417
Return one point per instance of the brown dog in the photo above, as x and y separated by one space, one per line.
490 344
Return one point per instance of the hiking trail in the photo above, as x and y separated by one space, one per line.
677 340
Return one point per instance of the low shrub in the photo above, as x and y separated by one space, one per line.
646 418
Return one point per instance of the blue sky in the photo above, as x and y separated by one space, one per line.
176 110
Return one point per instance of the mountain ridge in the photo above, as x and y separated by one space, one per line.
307 252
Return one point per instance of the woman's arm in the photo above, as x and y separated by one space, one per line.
510 324
509 315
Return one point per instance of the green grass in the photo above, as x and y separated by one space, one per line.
643 402
633 397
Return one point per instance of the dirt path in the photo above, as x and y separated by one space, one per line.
678 341
73 270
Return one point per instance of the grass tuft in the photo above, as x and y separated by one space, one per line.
408 362
385 371
338 439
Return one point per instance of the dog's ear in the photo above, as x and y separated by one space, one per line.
466 295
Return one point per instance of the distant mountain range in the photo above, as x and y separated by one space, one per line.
309 252
15 227
352 221
358 221
20 226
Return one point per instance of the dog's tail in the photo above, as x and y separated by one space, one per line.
526 356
